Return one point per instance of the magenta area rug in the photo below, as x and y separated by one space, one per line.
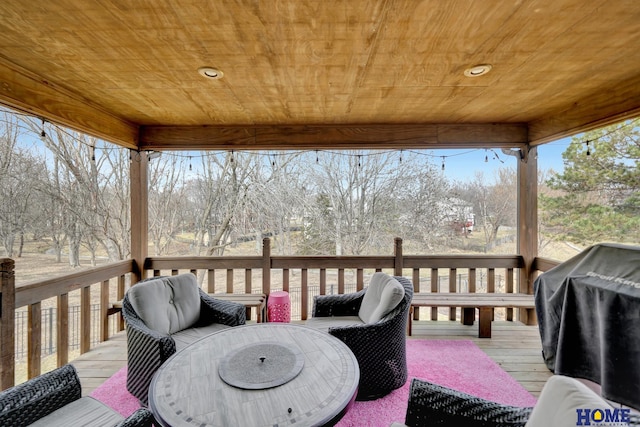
458 364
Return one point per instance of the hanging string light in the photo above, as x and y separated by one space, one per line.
400 159
43 134
486 156
588 148
190 163
443 162
93 153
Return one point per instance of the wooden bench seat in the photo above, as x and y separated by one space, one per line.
485 303
257 301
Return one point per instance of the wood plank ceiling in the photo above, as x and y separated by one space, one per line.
322 73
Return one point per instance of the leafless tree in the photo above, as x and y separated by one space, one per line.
167 207
357 197
494 202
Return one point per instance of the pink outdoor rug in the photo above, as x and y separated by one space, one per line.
458 364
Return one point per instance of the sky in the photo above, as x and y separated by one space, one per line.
459 165
462 165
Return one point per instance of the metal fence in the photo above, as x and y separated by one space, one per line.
49 330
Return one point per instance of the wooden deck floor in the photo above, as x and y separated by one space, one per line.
514 346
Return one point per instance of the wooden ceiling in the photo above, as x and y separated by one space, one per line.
322 73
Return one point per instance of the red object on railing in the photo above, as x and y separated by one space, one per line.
279 307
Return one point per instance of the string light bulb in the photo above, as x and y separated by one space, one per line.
43 134
442 162
588 148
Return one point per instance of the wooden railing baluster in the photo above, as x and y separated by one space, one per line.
85 319
34 340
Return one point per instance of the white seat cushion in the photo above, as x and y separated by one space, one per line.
168 304
324 323
86 411
383 295
191 335
563 399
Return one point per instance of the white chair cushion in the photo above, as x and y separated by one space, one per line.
85 411
190 335
561 401
324 323
383 295
167 305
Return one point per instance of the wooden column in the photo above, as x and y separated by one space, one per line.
266 266
527 224
139 212
398 264
7 323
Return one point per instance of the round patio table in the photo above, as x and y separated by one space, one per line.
313 380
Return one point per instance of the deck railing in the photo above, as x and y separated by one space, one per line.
302 276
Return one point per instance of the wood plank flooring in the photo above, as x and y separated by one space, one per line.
514 346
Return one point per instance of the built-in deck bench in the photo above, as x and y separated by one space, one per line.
257 301
485 303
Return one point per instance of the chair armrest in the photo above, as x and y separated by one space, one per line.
147 350
431 404
213 310
28 402
140 418
337 305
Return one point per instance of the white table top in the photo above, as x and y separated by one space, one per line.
188 391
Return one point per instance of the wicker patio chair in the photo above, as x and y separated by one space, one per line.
54 399
152 340
379 347
431 404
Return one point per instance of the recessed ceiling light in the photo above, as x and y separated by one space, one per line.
210 73
477 70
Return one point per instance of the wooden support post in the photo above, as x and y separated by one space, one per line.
527 224
266 266
7 323
139 212
398 263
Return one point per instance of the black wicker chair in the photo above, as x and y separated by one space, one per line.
147 349
38 399
380 348
431 404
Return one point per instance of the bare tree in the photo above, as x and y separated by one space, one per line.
13 191
167 209
494 202
356 201
217 195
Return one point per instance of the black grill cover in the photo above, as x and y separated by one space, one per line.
588 312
